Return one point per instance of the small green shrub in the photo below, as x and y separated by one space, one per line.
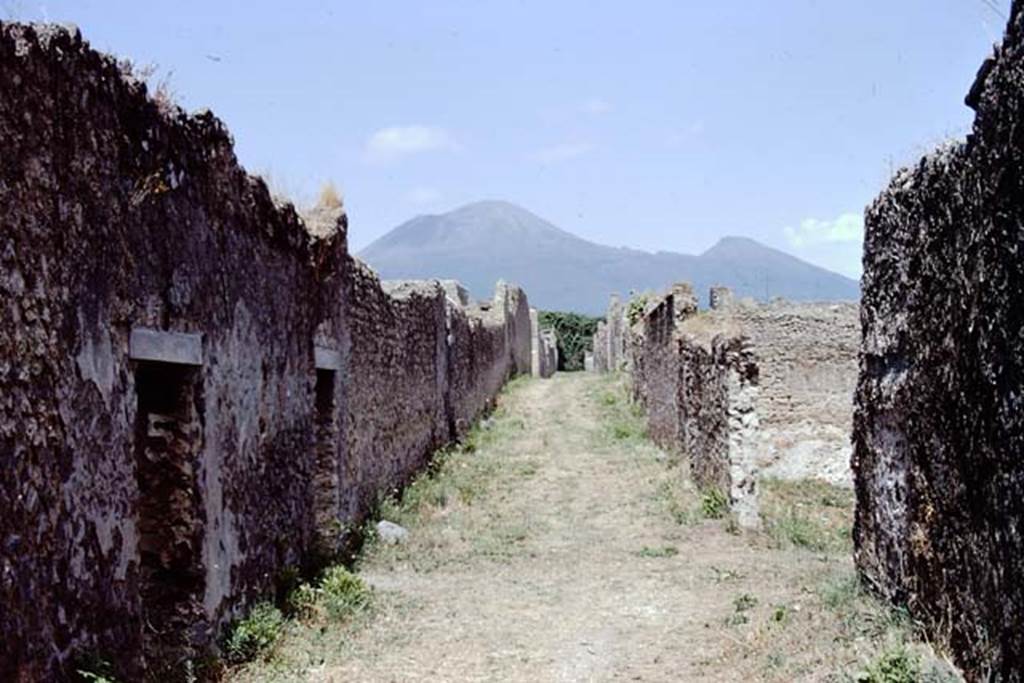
253 635
342 593
636 308
745 602
301 601
713 504
895 665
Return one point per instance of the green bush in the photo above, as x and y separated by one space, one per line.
301 601
636 308
253 635
342 593
895 665
575 336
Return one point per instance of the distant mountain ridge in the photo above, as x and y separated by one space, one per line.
481 242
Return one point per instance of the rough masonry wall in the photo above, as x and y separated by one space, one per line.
544 349
397 381
700 394
718 386
656 375
118 215
486 347
807 354
939 424
174 489
610 340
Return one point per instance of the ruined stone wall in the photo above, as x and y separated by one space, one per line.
397 381
544 355
807 354
198 389
656 375
610 344
517 308
718 386
699 393
939 422
485 348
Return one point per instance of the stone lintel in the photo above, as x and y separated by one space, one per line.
326 359
182 348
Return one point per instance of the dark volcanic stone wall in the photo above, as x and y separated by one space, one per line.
117 215
135 491
397 384
939 423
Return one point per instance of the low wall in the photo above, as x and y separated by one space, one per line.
199 389
939 423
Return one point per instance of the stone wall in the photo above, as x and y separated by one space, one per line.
807 354
610 340
744 389
939 422
544 352
199 389
699 393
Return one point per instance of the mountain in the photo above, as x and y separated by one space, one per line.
479 243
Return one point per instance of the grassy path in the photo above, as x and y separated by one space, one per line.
563 546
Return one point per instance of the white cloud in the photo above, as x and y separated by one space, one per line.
596 106
389 144
849 227
423 195
835 244
562 152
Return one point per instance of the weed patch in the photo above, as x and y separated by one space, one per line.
713 504
253 635
807 514
895 665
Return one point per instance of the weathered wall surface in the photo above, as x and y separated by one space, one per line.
745 389
610 340
939 423
656 374
486 346
807 354
718 386
544 355
699 393
396 384
174 489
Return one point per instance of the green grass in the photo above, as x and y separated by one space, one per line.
342 593
895 665
713 504
250 637
807 514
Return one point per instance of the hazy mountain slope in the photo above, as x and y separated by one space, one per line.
481 242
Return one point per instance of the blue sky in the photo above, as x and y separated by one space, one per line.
661 125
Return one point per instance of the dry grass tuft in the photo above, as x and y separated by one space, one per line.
329 197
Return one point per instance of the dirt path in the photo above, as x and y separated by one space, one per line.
562 550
